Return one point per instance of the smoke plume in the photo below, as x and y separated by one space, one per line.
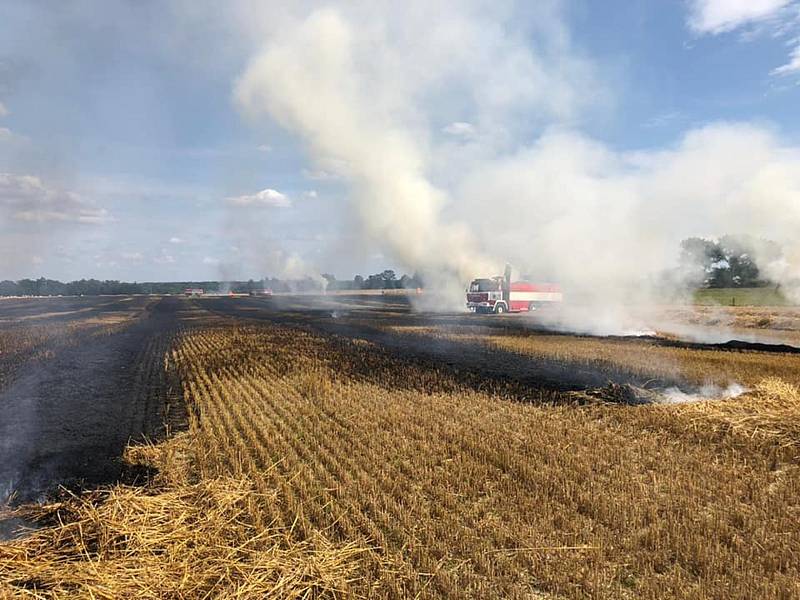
311 82
379 92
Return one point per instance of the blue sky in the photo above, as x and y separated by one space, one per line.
126 151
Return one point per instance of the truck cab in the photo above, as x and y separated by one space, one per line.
486 295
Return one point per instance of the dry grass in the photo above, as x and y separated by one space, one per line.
463 494
303 449
174 539
770 414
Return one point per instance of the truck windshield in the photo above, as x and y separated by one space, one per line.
483 285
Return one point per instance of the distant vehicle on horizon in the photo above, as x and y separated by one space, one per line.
261 293
193 292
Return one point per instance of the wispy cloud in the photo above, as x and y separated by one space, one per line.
267 197
719 16
663 119
26 198
754 18
793 66
327 169
459 129
164 258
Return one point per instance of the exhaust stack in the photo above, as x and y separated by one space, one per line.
507 285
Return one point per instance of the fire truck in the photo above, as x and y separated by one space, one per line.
499 295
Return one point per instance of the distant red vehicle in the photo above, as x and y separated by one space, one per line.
499 295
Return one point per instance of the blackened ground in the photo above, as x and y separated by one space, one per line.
371 319
66 420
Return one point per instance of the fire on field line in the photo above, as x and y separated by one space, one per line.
317 466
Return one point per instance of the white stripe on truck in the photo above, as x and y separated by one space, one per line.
536 296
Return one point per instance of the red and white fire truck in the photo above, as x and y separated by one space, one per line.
500 295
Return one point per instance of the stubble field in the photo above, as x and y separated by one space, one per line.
369 452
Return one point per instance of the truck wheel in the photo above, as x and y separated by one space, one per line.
499 309
532 306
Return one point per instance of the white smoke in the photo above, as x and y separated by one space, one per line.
370 89
607 223
707 392
310 82
358 87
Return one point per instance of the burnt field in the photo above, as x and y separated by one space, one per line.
351 447
81 377
504 347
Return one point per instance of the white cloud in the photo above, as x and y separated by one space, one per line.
327 169
311 194
208 260
267 197
791 67
264 148
3 110
176 240
97 216
5 134
719 16
26 198
164 258
459 129
780 18
133 256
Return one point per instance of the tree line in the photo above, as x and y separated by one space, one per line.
94 287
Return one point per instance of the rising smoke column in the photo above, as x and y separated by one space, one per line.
367 90
315 81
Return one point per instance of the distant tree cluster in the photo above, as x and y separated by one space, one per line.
386 280
727 262
94 287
